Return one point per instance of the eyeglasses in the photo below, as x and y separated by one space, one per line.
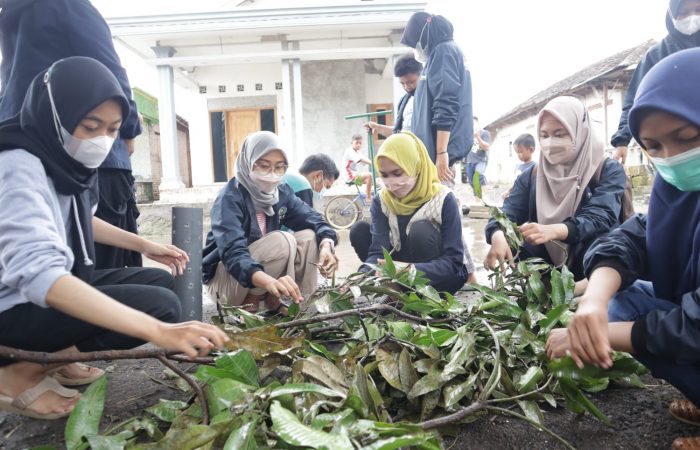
265 168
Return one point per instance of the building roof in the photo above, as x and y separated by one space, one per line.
610 68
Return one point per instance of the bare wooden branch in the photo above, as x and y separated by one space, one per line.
358 311
195 386
49 358
453 418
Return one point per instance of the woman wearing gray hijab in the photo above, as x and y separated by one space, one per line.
572 196
247 259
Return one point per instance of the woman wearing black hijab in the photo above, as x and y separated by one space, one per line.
51 298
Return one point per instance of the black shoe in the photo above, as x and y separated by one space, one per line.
465 210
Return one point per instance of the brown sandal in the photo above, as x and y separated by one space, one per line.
685 411
20 404
686 443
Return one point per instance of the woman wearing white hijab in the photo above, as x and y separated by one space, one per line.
573 194
247 259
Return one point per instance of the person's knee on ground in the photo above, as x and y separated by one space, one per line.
361 239
424 241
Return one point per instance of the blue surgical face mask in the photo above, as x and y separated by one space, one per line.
682 171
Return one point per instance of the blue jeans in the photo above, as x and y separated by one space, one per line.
637 301
472 168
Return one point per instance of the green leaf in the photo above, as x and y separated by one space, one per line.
389 367
85 418
528 382
243 438
461 354
407 373
389 267
293 432
402 330
425 441
455 391
193 437
476 184
537 287
578 402
552 318
567 280
224 393
360 387
531 410
558 292
166 410
241 365
438 336
298 388
322 371
106 442
434 380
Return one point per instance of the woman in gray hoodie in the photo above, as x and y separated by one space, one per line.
51 298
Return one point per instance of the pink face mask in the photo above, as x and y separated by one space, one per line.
400 186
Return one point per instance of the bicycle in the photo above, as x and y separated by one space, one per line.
341 212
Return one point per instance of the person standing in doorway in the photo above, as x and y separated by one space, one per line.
683 25
357 166
478 158
442 106
407 70
34 34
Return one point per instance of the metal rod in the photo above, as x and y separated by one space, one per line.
370 142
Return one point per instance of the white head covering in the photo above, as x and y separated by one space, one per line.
255 146
560 186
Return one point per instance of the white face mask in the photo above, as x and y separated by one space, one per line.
267 183
420 53
689 25
89 152
557 150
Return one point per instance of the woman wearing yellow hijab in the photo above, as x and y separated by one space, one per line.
415 216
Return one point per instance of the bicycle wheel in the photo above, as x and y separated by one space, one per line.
342 212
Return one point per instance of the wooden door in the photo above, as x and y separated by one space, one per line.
239 124
384 120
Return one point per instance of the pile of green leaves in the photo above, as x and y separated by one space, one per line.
371 380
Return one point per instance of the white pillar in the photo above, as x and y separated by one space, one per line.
285 131
169 156
299 150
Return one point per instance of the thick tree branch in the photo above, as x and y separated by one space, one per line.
195 386
49 358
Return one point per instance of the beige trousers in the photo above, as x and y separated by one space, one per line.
281 254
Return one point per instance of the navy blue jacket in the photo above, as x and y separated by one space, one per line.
36 33
234 227
598 212
440 271
672 43
443 98
674 334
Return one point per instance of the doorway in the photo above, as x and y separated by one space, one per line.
229 130
382 120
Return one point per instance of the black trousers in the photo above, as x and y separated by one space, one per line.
117 207
31 327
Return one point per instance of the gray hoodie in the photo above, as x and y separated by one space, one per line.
33 246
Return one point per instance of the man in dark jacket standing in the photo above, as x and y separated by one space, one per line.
34 34
683 25
442 108
408 71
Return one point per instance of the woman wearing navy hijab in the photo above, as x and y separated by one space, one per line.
654 259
